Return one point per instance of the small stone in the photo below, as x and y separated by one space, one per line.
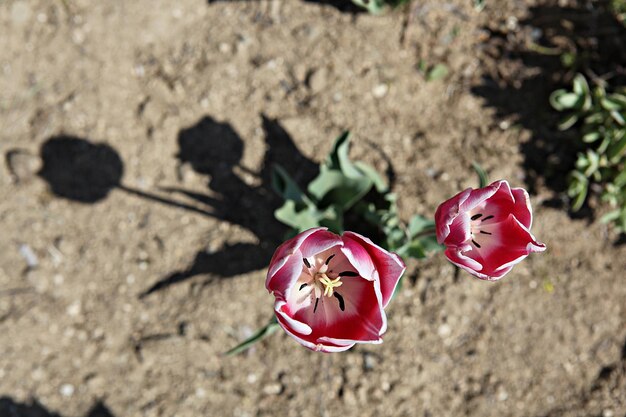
444 330
73 309
200 392
22 164
502 395
67 390
252 378
29 256
316 79
608 413
273 389
380 90
369 362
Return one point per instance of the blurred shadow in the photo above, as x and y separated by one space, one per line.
10 408
523 67
214 149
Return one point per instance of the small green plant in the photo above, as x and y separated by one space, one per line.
348 195
601 116
378 6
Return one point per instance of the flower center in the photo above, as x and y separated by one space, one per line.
476 226
327 284
320 280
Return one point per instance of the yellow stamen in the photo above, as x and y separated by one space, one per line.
329 284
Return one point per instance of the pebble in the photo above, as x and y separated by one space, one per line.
22 164
380 90
29 256
67 390
369 362
272 389
73 309
444 330
317 79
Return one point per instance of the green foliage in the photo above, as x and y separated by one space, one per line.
601 116
619 8
257 337
351 195
378 6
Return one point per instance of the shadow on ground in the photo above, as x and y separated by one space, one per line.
523 66
10 408
86 172
214 149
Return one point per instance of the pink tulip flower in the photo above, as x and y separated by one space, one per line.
487 231
331 290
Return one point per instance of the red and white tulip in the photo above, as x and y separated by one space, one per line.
330 291
486 231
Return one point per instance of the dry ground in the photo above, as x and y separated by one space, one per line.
136 222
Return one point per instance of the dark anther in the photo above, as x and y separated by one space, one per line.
329 258
317 300
487 218
306 262
302 286
477 216
342 304
475 243
348 274
484 233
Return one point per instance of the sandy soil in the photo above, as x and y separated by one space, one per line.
136 212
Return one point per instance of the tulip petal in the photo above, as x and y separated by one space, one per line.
509 243
358 256
361 320
478 196
447 212
459 231
319 241
284 251
284 279
522 209
294 324
389 266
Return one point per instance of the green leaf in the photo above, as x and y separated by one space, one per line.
618 117
611 216
437 72
372 174
257 337
300 219
580 85
616 150
568 122
483 178
419 224
568 100
285 186
609 104
591 137
430 244
335 188
578 188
